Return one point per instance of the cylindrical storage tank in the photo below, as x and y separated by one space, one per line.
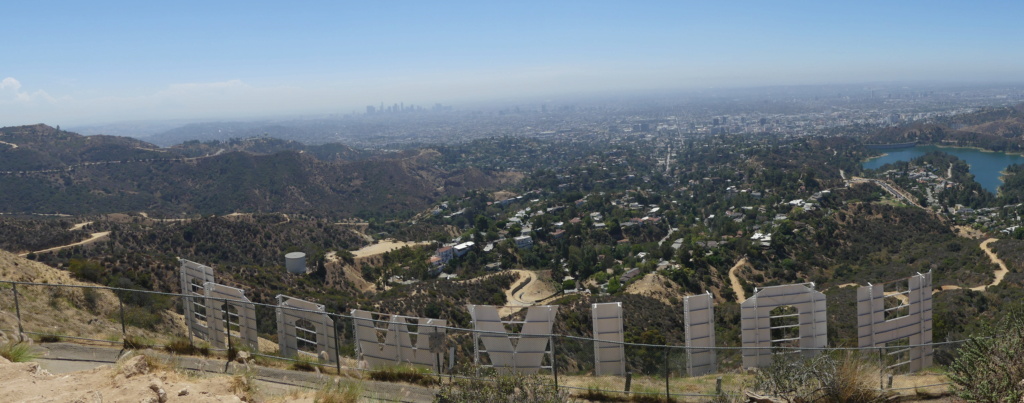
295 262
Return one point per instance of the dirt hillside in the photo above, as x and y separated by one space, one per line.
63 310
656 286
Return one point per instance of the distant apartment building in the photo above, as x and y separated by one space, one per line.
446 254
523 242
463 248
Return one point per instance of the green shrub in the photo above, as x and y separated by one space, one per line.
141 317
594 395
990 368
90 299
403 374
132 342
50 338
243 385
338 392
827 377
304 363
511 388
17 352
182 346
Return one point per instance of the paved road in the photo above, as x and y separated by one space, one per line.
61 358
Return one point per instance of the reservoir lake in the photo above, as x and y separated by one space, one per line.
984 165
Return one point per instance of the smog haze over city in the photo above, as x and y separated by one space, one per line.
81 64
649 195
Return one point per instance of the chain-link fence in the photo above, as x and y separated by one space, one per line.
139 318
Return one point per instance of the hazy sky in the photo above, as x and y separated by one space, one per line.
82 62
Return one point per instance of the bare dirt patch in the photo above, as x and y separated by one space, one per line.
658 287
386 245
502 195
28 382
968 232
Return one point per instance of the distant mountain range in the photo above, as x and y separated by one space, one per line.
47 170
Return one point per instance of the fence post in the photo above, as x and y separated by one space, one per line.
337 349
227 325
554 361
17 311
124 329
629 381
881 370
188 311
718 386
668 396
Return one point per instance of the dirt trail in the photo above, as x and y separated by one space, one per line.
359 228
736 287
13 146
1001 273
904 299
79 226
531 294
93 238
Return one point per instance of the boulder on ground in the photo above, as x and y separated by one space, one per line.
136 365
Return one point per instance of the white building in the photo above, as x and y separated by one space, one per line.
523 242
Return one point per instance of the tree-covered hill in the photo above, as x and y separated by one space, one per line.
41 147
53 171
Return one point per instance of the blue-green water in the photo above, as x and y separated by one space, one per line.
985 165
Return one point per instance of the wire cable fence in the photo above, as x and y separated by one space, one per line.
135 318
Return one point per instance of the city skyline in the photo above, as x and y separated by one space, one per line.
74 64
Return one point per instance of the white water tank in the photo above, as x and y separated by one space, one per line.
295 262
